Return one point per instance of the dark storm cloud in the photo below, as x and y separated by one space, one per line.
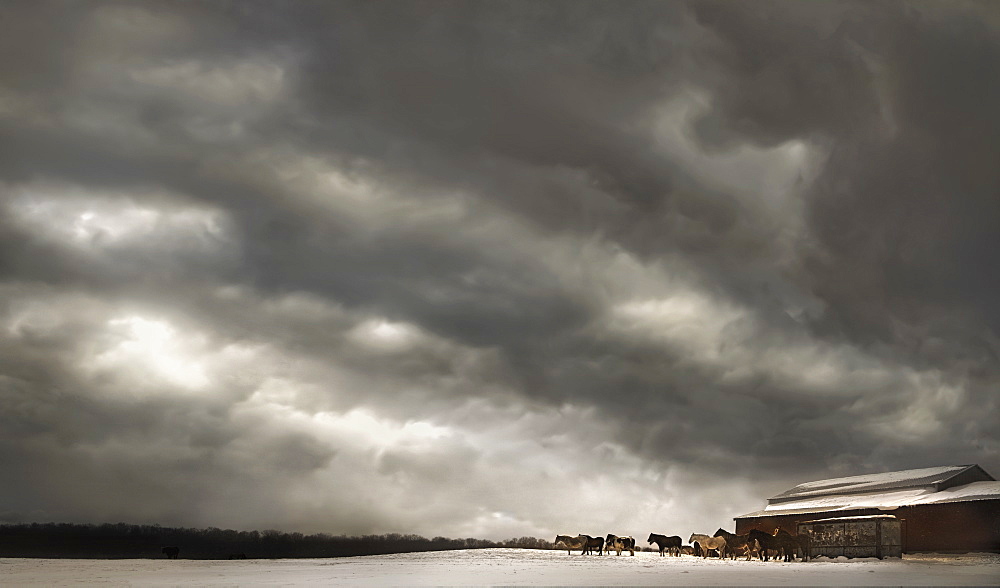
901 93
540 86
905 209
257 259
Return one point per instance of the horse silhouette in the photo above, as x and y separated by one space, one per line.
672 543
790 543
783 546
171 551
735 544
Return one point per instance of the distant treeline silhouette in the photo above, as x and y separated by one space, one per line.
122 540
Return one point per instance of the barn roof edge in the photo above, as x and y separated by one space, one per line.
936 477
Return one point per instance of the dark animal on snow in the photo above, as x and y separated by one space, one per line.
671 544
592 543
619 544
783 547
688 550
737 544
171 551
237 556
707 543
792 543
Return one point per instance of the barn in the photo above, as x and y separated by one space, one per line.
943 509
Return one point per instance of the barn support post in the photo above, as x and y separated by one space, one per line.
878 539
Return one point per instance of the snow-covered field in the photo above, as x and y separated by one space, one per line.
503 566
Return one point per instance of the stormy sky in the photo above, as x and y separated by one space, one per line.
490 269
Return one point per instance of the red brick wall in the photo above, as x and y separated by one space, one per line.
956 526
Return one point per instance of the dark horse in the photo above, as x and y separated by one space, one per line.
171 551
593 542
240 555
737 543
672 543
802 542
767 543
783 543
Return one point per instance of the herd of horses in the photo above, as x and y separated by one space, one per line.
780 545
587 544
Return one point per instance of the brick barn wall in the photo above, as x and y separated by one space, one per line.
956 526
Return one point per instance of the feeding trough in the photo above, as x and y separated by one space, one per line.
865 536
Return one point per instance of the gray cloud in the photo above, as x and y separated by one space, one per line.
423 267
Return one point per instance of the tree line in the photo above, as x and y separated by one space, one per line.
128 541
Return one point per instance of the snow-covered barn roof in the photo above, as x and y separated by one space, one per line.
886 491
882 500
936 478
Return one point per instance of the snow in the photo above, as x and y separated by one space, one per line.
865 517
886 500
904 478
505 566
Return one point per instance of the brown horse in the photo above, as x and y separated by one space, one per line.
791 542
736 544
767 543
784 544
593 542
